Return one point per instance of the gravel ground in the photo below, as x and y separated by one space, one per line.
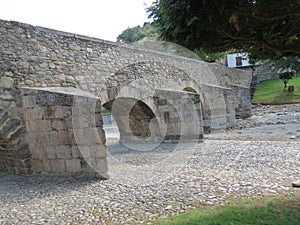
166 181
268 123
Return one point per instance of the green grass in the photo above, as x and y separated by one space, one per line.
281 210
272 92
105 112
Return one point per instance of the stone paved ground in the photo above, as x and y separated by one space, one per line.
167 181
272 123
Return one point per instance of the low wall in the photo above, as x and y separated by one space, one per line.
266 76
64 132
242 101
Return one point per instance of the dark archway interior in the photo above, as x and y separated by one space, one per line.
133 117
189 89
206 116
139 119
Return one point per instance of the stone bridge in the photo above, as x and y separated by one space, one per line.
54 84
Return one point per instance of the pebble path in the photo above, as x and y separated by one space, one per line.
146 186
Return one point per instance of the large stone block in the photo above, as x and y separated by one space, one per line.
98 164
81 137
6 82
63 152
29 101
50 151
73 165
53 137
64 137
75 152
40 166
39 139
62 112
98 151
85 151
38 152
45 125
60 125
58 165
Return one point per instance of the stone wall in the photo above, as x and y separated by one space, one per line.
242 101
64 132
216 110
230 76
181 125
40 57
266 76
167 116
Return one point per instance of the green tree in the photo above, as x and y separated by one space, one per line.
285 67
266 29
131 35
137 33
285 77
149 32
284 64
210 56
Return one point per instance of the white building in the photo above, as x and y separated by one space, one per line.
239 60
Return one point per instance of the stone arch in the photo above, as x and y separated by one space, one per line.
139 119
136 121
139 81
149 75
135 114
114 71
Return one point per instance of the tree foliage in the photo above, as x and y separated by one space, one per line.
285 77
285 67
285 64
266 29
137 33
136 36
210 56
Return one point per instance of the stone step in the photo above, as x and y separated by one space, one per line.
3 116
9 126
3 121
15 132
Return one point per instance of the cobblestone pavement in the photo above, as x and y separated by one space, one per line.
167 181
272 123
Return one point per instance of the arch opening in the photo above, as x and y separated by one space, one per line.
140 117
129 120
206 116
112 134
190 89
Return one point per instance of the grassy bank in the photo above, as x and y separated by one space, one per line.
280 210
272 92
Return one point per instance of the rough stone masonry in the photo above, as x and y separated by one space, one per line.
53 85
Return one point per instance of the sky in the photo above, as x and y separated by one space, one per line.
104 19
